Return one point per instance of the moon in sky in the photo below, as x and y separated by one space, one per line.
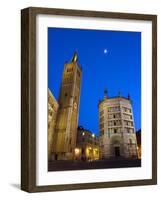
105 51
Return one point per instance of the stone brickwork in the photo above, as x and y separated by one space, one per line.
87 148
117 129
67 117
52 114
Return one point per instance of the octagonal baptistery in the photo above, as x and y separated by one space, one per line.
117 129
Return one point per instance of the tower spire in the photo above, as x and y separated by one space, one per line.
129 97
119 94
105 93
75 57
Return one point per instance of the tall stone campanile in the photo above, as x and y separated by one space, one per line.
67 117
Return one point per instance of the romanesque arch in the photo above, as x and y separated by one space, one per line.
116 146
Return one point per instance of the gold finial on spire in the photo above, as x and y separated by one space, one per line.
75 57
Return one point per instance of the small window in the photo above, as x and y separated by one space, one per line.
69 69
102 132
70 141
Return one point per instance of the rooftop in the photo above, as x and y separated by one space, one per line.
81 128
119 96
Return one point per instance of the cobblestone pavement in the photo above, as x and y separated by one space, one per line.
100 164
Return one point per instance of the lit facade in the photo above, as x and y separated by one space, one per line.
87 148
117 130
67 117
138 137
52 113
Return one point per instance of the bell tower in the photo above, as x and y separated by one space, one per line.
67 117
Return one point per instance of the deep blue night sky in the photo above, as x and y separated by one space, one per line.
117 69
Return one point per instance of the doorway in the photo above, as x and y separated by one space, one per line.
117 151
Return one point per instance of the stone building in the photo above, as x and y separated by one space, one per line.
67 117
117 130
138 137
87 148
52 113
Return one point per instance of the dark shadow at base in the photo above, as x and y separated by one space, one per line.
62 165
15 185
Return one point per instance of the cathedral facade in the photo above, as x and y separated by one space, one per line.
117 129
52 115
67 116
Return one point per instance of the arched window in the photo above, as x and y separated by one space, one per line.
130 141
